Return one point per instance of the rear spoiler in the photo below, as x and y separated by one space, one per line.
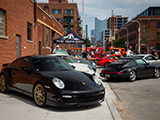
5 65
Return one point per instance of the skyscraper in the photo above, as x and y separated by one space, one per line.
100 25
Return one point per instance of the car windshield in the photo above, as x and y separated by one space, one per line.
68 59
120 61
50 64
61 52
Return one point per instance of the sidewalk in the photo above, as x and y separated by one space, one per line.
110 99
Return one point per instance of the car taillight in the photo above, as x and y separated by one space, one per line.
110 72
118 73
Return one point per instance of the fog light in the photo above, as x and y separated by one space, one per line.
66 96
103 92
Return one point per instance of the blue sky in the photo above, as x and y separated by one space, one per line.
102 8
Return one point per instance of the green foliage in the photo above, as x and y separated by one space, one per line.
88 43
119 43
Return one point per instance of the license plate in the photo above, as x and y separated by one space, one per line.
107 75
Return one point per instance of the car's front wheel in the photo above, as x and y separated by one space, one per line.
39 95
132 75
3 83
156 73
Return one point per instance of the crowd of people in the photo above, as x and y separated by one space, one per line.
129 52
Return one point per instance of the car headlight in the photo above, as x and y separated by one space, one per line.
97 80
93 63
90 68
58 83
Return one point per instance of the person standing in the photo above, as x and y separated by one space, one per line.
158 53
54 51
153 52
129 52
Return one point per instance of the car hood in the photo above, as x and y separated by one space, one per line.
83 68
73 80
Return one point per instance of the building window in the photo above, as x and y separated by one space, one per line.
58 19
158 25
56 11
47 37
69 12
59 1
29 31
157 12
158 35
2 22
68 20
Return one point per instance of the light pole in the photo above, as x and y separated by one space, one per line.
83 19
117 33
127 35
139 38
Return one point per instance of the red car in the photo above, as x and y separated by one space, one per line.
107 60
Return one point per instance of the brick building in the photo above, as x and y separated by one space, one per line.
149 22
25 29
65 13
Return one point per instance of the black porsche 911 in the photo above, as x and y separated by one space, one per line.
50 80
131 69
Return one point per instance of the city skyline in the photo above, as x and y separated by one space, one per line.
102 9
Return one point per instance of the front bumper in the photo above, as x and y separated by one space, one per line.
77 98
114 76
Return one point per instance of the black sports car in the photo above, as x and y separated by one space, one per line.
50 80
130 68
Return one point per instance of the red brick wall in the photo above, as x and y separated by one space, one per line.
18 13
63 6
56 1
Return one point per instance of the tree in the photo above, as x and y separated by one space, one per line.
119 43
88 43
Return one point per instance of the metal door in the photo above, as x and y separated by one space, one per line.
17 46
39 47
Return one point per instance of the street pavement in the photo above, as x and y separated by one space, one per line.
16 106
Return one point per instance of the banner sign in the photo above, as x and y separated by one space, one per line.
70 38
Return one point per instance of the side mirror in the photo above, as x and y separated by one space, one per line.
73 66
147 64
25 68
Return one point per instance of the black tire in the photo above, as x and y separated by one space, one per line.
156 73
3 83
39 95
106 64
132 76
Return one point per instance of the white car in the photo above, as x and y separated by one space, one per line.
77 66
148 58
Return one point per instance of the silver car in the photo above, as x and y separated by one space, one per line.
148 58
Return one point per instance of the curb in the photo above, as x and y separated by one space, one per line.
110 99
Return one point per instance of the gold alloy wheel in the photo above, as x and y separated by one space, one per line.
3 86
39 95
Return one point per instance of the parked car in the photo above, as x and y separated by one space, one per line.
74 63
130 68
148 58
51 81
107 60
61 52
83 60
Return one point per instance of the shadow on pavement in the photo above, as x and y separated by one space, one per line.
29 100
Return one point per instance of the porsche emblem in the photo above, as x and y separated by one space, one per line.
83 83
